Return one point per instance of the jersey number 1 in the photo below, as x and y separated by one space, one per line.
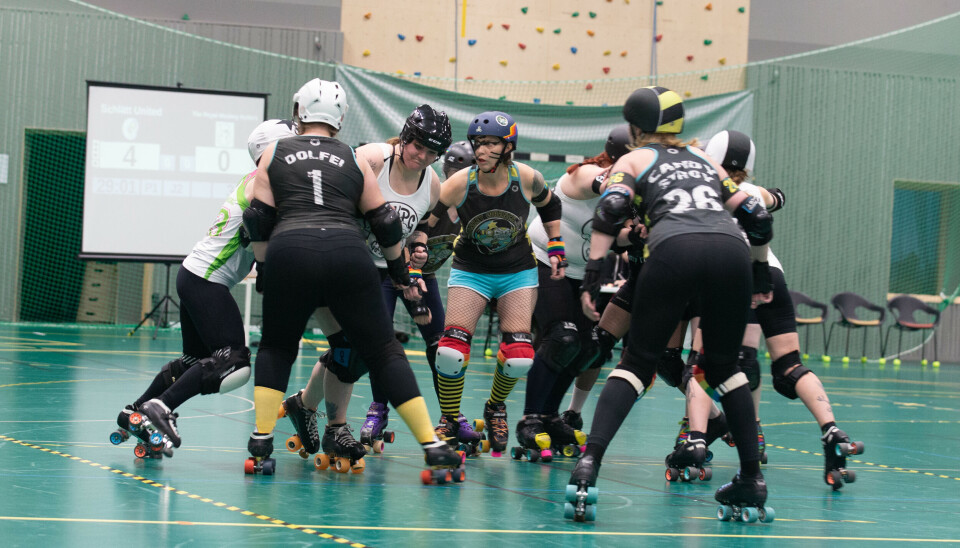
316 175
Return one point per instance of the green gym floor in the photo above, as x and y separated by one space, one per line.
64 484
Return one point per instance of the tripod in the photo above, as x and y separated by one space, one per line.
165 302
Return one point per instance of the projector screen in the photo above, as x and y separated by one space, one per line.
160 162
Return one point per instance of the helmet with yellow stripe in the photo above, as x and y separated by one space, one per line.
654 109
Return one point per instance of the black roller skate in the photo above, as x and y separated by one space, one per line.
581 494
761 444
461 435
341 451
684 434
686 462
445 464
743 500
151 444
836 447
534 441
373 433
567 440
495 423
572 418
307 439
163 419
260 447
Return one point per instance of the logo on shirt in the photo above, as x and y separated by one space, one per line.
494 231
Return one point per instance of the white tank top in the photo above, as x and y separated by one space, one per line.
410 207
576 226
754 191
219 257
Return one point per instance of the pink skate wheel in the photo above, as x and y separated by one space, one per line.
496 454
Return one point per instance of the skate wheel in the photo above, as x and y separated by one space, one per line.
593 494
135 419
532 456
568 510
833 478
767 515
377 446
590 513
303 454
706 474
497 454
478 424
268 467
426 477
724 512
359 466
750 514
321 461
342 465
689 473
709 456
516 453
389 436
140 451
546 455
249 466
569 450
849 476
117 438
672 474
484 446
282 412
293 444
459 475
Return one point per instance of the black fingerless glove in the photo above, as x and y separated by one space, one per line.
762 281
591 278
397 269
261 269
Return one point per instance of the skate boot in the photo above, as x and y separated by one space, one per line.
260 447
686 462
495 423
341 452
582 494
470 438
717 429
567 440
836 447
447 430
307 439
373 433
534 441
743 500
573 418
761 444
151 444
444 464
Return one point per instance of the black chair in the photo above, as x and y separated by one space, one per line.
807 320
848 304
904 310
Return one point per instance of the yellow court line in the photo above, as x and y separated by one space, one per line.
494 531
53 382
884 466
150 482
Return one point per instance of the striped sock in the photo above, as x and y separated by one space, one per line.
450 394
502 386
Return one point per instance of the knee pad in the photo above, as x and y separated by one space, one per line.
607 341
670 367
729 384
172 370
628 373
750 366
343 360
589 352
559 345
516 355
227 369
433 343
453 352
786 383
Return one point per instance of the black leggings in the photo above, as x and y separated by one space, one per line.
309 269
209 316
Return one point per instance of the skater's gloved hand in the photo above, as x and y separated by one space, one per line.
762 284
421 313
260 276
418 254
590 288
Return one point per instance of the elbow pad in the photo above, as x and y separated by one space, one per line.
612 211
755 220
259 219
551 210
778 199
385 225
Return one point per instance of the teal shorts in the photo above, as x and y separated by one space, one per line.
493 286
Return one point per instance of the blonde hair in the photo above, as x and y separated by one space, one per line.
666 139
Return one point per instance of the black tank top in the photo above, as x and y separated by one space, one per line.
493 236
440 239
680 194
316 184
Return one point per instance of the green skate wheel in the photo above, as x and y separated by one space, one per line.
767 515
568 510
590 513
750 514
516 453
592 495
689 473
724 512
571 493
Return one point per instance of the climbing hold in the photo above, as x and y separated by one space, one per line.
708 7
416 73
503 62
402 37
471 41
705 77
522 45
489 26
589 87
524 10
659 2
606 52
658 37
623 53
366 53
590 33
741 9
419 38
367 15
606 70
502 97
593 15
687 94
536 100
689 57
556 66
573 50
539 29
570 103
400 72
469 78
186 17
722 60
453 59
575 14
707 42
556 31
506 26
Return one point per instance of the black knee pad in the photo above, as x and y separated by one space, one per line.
343 360
227 369
786 383
716 374
750 366
432 345
559 345
634 373
172 370
777 317
670 367
607 341
589 352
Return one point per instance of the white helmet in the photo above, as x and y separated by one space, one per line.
321 101
734 150
265 134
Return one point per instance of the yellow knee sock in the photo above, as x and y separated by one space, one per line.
414 413
266 402
502 386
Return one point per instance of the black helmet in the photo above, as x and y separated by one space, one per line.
618 141
458 156
428 126
734 150
655 109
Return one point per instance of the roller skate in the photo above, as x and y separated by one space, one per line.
373 433
260 447
761 444
495 423
743 500
836 447
534 441
341 452
163 419
686 462
683 435
307 439
445 465
572 418
567 440
581 494
462 436
151 444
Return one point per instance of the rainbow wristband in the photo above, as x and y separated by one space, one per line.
555 248
414 272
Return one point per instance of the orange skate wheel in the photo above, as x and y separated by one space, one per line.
359 466
293 444
249 466
342 465
140 451
426 477
282 412
377 446
321 461
135 419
